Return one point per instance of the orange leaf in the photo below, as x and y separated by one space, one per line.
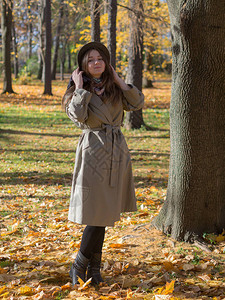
26 290
169 287
168 265
118 245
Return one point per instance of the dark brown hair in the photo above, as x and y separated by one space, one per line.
112 91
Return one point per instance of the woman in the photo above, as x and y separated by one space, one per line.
102 184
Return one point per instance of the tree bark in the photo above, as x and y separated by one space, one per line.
6 25
30 30
15 56
48 44
58 31
134 119
41 25
147 83
95 20
195 200
112 12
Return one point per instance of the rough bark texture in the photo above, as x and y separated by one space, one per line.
196 189
41 25
30 29
95 20
15 56
48 44
57 37
134 119
6 26
112 12
147 83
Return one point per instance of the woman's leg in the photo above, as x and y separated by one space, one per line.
92 240
94 264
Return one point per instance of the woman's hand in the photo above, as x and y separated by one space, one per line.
119 81
77 78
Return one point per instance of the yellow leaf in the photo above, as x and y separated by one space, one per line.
26 290
83 284
166 290
169 287
5 295
2 289
221 237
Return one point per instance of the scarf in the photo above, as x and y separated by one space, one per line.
96 84
98 88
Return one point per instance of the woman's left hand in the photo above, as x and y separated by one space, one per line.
119 81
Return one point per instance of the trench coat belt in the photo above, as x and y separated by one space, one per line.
111 132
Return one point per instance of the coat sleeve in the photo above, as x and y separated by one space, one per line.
133 99
77 107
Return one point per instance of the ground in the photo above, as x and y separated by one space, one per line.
38 243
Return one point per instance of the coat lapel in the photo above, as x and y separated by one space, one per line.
98 103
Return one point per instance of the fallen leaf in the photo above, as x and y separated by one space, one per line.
26 291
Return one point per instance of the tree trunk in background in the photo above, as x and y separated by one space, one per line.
95 20
69 67
48 45
195 200
58 31
147 83
41 24
15 56
112 12
6 26
30 30
134 119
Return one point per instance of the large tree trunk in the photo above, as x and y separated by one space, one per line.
58 31
48 45
95 20
112 12
6 26
134 119
196 189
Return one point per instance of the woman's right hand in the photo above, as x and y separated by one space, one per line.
77 78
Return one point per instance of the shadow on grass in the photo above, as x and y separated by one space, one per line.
9 131
35 177
144 182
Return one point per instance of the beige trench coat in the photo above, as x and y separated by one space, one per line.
102 185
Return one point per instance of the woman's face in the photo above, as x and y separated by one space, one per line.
96 64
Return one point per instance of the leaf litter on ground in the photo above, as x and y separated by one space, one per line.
38 244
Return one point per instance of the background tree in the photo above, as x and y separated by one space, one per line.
15 51
195 200
134 76
111 41
95 20
6 25
48 44
57 38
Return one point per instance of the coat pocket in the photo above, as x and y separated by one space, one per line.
79 195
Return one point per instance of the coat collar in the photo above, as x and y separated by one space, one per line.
97 101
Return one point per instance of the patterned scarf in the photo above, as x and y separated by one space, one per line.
98 88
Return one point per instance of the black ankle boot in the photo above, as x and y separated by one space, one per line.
79 268
94 268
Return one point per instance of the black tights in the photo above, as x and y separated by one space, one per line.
92 240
